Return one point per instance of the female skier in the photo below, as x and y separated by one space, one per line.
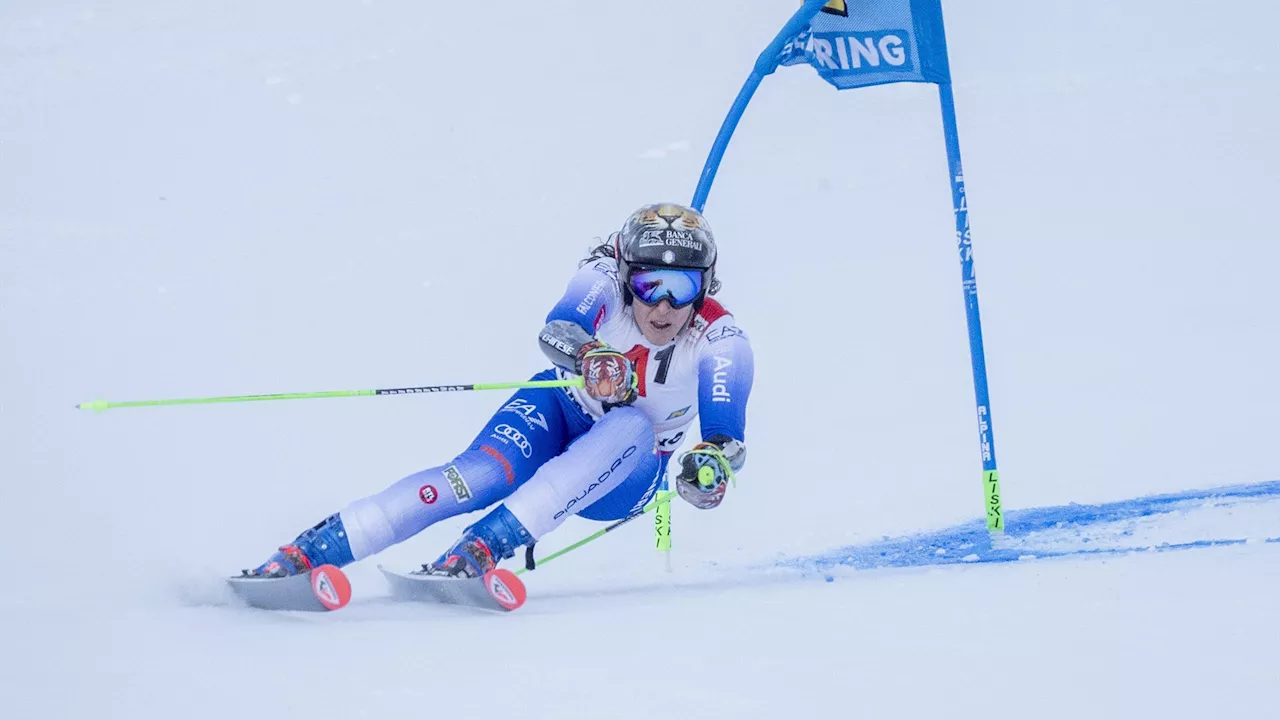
653 350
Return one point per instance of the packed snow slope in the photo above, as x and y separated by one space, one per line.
247 197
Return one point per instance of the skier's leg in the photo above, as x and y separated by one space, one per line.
633 494
527 431
591 468
614 449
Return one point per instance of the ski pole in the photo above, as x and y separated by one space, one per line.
663 496
102 405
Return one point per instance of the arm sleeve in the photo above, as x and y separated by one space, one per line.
591 298
726 368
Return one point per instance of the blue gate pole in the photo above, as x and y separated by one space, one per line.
990 475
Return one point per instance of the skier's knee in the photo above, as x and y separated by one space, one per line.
629 423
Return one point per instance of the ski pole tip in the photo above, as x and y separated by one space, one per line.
94 405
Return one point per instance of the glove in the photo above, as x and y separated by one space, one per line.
705 473
607 374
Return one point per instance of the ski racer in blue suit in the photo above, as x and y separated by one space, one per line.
654 351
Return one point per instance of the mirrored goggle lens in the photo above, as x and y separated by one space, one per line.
679 287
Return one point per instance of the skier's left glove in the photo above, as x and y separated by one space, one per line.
707 470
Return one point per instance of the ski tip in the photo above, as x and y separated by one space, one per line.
505 588
331 587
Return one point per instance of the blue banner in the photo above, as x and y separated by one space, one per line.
856 43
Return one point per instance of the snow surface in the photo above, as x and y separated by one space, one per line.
243 197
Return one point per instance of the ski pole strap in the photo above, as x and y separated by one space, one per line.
103 405
713 451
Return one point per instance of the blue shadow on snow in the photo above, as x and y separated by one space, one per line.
970 542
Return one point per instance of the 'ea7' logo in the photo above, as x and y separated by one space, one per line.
526 410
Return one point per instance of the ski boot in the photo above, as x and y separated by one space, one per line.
495 537
324 544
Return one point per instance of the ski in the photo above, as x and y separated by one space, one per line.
497 589
322 589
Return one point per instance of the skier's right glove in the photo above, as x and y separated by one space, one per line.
607 374
705 471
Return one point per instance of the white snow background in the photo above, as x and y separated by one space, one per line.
205 198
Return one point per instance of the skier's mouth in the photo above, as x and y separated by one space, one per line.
659 325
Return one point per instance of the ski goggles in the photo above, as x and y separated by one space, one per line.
653 285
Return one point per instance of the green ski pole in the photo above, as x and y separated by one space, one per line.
103 405
663 496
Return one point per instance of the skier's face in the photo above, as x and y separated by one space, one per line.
661 323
